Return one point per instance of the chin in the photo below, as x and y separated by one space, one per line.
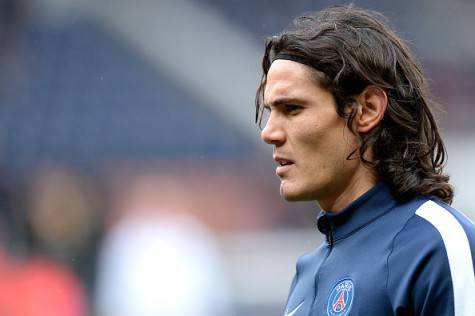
295 195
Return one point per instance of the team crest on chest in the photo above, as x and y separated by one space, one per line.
341 298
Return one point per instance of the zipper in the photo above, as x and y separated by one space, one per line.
330 240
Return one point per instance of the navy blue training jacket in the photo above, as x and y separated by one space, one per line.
382 257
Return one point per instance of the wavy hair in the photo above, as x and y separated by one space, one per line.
354 48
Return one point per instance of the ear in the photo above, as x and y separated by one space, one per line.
372 103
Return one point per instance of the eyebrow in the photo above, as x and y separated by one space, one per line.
284 100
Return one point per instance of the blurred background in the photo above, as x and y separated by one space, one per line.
133 181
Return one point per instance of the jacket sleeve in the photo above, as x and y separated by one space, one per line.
419 280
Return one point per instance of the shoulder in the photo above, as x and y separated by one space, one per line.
445 228
418 241
307 262
433 258
431 221
435 229
450 223
309 259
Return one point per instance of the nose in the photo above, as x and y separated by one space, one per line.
273 132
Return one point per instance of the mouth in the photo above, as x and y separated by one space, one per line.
283 165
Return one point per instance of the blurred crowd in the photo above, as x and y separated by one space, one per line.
139 241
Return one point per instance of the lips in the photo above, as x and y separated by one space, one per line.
284 165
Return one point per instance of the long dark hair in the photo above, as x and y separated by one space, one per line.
354 48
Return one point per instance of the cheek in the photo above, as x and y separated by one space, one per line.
325 152
317 145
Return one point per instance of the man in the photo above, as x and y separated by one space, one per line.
345 106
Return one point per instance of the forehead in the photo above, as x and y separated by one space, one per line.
290 79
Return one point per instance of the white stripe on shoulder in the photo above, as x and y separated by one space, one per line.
458 253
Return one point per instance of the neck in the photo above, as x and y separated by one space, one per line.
360 183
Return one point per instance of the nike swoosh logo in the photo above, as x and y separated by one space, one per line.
294 310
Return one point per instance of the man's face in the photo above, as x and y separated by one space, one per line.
311 141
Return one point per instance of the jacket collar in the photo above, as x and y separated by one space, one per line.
359 213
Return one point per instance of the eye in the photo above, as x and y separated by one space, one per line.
292 108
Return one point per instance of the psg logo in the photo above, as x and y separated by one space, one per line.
340 298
